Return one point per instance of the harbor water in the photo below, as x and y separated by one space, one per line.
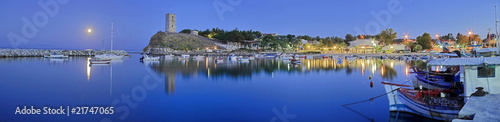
264 89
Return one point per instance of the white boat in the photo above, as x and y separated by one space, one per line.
232 57
219 60
243 59
100 61
351 58
108 56
169 56
199 57
55 56
149 58
184 56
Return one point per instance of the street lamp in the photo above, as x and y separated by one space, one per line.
470 34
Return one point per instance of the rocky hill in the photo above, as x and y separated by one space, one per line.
168 42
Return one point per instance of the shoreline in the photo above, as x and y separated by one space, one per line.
42 52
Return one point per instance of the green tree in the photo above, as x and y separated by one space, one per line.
477 39
188 31
462 39
417 48
268 39
349 37
425 41
235 36
305 37
448 36
387 36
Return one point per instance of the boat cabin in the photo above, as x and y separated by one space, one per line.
475 72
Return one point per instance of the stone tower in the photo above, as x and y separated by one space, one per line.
170 23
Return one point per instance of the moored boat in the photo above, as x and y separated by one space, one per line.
54 55
108 56
476 74
149 58
243 59
169 56
295 61
100 61
184 57
219 60
199 57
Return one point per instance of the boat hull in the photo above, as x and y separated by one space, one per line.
98 61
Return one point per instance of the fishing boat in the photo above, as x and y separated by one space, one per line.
426 103
149 58
295 61
444 104
54 55
100 61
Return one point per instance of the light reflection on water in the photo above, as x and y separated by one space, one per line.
201 90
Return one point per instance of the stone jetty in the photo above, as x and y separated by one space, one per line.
42 52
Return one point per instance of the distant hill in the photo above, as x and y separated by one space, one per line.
178 41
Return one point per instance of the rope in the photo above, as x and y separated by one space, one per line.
371 99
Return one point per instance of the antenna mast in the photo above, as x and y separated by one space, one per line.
496 30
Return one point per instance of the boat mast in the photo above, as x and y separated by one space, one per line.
112 24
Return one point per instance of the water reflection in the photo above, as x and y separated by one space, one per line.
207 67
236 69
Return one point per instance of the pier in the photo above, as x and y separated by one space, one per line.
483 109
42 52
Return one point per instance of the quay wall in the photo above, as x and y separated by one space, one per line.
42 52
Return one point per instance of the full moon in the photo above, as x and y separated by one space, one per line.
89 30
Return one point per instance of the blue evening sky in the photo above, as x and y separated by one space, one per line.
135 21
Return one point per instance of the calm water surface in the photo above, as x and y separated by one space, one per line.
200 90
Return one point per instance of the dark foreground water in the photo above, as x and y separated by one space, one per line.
197 90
